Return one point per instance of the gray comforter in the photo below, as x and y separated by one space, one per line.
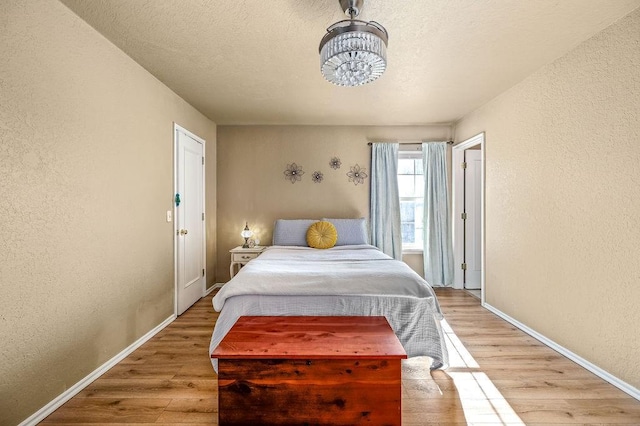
344 280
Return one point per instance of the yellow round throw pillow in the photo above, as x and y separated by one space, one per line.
322 235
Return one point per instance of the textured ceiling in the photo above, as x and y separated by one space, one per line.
257 62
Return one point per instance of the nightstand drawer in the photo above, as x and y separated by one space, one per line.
243 257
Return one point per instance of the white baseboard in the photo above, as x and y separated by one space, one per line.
39 415
623 386
213 287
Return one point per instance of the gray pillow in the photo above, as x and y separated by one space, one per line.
350 231
291 232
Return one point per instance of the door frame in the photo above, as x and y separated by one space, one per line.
457 158
176 128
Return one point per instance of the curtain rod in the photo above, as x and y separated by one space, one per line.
411 143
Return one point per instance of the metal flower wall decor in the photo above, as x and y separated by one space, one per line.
293 173
335 163
357 175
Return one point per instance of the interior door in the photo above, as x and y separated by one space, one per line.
472 228
189 208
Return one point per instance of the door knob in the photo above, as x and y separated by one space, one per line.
183 232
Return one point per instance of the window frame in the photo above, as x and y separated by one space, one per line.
412 154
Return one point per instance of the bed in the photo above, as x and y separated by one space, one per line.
290 278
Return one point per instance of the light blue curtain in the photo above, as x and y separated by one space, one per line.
438 254
384 214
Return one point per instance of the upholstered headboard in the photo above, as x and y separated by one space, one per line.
293 232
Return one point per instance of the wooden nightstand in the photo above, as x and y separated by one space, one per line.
241 256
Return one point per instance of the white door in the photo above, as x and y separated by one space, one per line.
189 217
472 225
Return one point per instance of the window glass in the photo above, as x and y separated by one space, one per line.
407 211
408 232
419 186
405 166
406 185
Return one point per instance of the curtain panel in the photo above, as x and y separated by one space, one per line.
384 213
438 253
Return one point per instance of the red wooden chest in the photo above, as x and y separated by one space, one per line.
309 370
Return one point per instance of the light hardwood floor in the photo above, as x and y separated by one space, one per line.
498 375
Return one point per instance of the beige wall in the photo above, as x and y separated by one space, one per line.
563 196
252 187
86 178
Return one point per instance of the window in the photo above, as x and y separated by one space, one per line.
411 189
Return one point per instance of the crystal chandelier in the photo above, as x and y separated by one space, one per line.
353 52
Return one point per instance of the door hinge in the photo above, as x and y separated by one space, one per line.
464 164
464 216
203 272
464 266
203 161
202 216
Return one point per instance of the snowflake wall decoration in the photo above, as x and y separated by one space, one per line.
357 175
335 163
317 177
293 173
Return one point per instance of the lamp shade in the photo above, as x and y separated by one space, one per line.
353 52
246 232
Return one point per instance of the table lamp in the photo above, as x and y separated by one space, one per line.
246 234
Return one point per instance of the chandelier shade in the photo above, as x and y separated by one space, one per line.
353 52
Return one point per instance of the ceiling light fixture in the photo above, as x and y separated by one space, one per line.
353 52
